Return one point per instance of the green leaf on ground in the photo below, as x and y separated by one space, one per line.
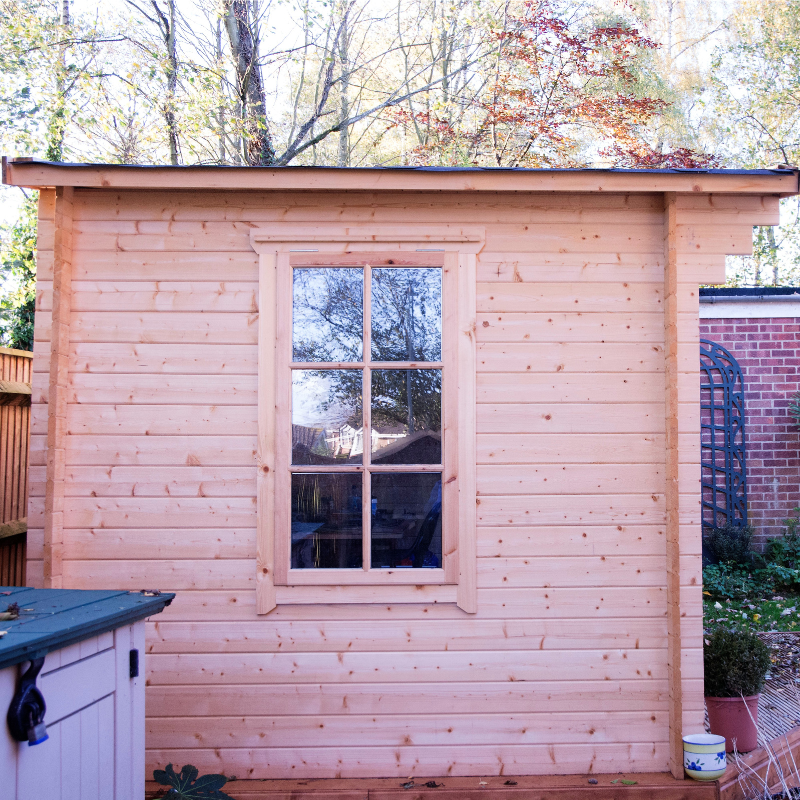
186 785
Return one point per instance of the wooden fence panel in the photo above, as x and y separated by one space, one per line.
15 418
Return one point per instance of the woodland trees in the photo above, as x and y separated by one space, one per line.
756 87
338 82
629 83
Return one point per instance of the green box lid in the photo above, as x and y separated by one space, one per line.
50 619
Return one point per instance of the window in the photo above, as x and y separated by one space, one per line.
366 417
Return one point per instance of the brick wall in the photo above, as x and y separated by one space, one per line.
768 351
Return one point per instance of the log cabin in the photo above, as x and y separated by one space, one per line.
417 449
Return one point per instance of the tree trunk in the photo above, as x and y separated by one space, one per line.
244 48
172 86
343 157
220 107
772 255
57 125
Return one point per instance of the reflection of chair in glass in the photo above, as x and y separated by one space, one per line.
416 553
419 549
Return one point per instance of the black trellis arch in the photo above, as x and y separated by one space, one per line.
722 437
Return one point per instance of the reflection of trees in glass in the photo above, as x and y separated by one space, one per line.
406 326
392 403
407 314
327 314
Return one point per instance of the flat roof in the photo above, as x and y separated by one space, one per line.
36 174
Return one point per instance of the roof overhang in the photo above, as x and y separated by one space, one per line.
35 174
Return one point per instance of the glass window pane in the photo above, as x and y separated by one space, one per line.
327 314
407 519
326 521
407 416
327 421
407 314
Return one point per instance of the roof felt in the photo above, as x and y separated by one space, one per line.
37 173
50 619
781 170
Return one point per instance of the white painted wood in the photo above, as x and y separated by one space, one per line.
8 747
136 749
781 306
71 756
106 749
78 685
95 723
90 752
39 768
123 718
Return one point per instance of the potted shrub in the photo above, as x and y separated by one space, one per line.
736 663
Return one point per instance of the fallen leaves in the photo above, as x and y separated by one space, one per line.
12 612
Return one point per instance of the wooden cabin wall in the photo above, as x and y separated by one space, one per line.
563 669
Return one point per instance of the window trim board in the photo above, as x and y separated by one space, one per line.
278 248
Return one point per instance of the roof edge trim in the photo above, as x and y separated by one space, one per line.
35 174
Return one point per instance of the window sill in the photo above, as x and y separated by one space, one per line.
359 577
384 595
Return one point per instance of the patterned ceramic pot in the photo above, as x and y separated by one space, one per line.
704 756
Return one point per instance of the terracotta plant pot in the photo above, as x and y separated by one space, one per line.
736 719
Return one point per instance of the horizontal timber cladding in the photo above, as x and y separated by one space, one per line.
400 698
412 760
564 666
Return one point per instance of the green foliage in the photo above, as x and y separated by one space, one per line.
186 785
736 662
794 408
782 579
731 544
731 582
18 279
782 567
740 575
785 550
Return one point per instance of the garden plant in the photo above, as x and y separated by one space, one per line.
745 589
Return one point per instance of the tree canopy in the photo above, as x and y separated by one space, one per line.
628 83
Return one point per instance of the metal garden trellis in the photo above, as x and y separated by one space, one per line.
722 437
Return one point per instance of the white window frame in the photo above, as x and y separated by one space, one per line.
283 246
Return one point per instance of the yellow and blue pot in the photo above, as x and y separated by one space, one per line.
704 756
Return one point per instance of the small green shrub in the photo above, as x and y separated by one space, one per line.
785 550
736 662
732 582
731 544
782 579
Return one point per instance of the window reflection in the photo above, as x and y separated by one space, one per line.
407 520
327 426
326 521
327 312
407 314
406 416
